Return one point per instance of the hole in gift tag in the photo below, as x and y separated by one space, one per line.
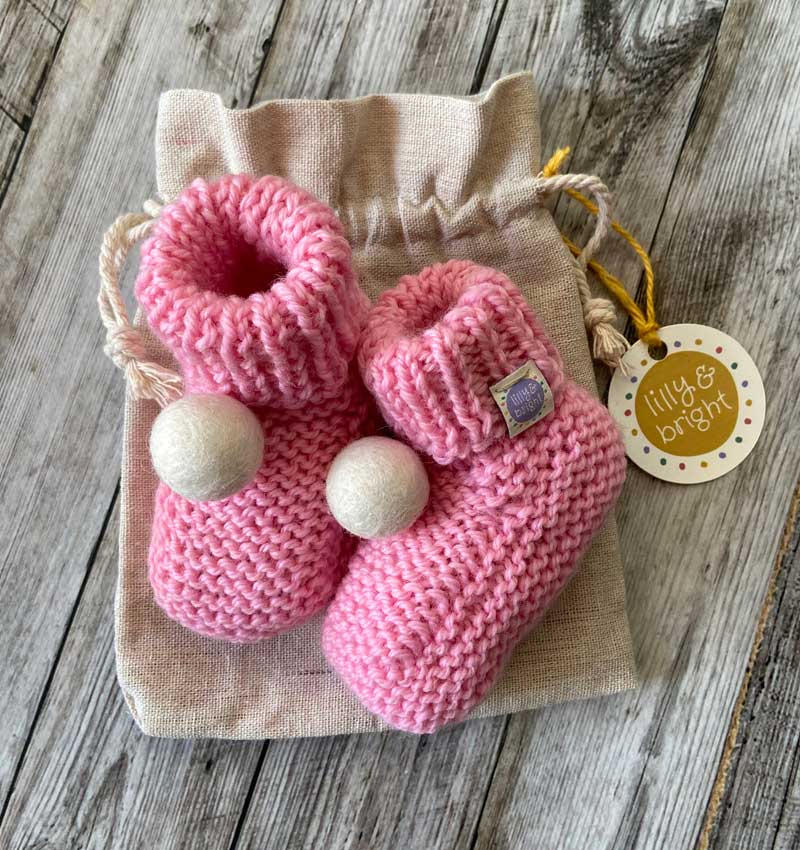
657 352
694 414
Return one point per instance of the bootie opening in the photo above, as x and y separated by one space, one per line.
434 346
207 244
250 284
237 268
250 270
421 311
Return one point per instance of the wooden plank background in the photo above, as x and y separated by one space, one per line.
690 112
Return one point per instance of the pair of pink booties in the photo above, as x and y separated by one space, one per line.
249 283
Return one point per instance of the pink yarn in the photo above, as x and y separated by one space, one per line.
207 283
424 621
250 285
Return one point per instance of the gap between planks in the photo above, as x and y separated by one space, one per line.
495 22
721 781
261 758
103 525
22 124
59 651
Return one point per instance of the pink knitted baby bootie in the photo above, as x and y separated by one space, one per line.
249 283
424 621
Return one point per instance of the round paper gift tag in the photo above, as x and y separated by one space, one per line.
696 413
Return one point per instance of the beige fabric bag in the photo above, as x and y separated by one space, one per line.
416 179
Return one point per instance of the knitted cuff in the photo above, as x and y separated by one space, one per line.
250 285
434 345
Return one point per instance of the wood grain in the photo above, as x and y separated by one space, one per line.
369 791
28 43
618 83
638 768
110 786
29 40
359 48
11 140
333 793
59 439
56 11
760 806
689 109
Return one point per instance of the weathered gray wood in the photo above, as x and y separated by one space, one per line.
346 49
29 40
56 11
635 771
376 790
28 43
61 413
620 83
761 804
91 779
304 50
11 139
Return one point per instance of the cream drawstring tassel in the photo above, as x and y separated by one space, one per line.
124 343
599 314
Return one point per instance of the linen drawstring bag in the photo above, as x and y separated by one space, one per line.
415 180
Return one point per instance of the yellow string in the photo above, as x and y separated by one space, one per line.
645 323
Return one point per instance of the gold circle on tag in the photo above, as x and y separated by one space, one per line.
696 413
687 404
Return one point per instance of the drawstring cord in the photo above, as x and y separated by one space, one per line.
599 313
124 343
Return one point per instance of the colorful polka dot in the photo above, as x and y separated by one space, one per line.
658 457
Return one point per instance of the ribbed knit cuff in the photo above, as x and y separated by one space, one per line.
435 344
250 284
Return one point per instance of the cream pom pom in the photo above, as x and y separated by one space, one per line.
206 447
376 487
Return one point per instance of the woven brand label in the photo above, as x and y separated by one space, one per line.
523 397
696 413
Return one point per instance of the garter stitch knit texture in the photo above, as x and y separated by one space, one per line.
249 283
423 621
